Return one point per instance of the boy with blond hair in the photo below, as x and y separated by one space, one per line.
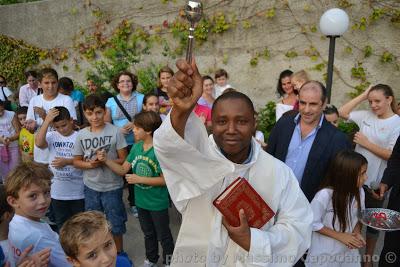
87 241
28 192
298 79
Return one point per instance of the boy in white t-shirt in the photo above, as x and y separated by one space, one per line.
221 80
6 213
67 184
28 192
39 105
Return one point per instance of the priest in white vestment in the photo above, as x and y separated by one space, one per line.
197 168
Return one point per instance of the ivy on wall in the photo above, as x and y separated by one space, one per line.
110 50
16 56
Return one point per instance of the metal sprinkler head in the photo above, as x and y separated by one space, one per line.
194 11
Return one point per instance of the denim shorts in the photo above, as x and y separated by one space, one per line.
111 204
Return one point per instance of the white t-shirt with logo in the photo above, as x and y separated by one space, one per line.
41 155
24 232
67 183
382 132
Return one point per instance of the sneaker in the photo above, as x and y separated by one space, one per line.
148 263
134 211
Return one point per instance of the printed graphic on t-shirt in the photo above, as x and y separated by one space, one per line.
144 166
92 145
63 150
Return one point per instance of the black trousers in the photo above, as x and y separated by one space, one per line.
65 209
390 255
155 227
131 187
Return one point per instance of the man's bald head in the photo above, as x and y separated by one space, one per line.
317 87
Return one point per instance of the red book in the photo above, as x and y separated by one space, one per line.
241 195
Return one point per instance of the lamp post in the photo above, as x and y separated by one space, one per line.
333 23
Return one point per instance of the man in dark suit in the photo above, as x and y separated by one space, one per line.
306 141
390 255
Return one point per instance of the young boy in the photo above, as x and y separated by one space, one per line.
26 138
221 80
67 196
41 258
298 79
151 194
66 87
87 241
102 187
28 192
39 105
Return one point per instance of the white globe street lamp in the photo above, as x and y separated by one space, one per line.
333 23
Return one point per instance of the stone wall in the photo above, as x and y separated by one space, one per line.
55 23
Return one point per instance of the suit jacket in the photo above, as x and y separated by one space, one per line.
327 143
391 177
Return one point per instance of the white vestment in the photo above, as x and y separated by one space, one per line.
196 172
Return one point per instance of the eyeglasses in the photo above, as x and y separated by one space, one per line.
127 81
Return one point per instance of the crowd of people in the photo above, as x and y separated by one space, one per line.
68 157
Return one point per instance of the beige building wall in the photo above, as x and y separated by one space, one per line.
55 23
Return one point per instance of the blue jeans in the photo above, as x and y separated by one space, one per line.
111 204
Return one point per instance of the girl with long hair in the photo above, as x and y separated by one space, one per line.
379 129
336 234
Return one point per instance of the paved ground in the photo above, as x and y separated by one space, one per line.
134 242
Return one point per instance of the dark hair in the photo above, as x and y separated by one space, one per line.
32 73
63 114
284 74
342 178
163 69
115 80
206 77
66 83
331 109
320 86
93 101
47 72
147 96
388 92
4 206
220 73
148 121
233 95
22 110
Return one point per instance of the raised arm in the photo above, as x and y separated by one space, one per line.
40 138
344 111
184 89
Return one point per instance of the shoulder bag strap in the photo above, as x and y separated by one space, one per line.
122 109
5 97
